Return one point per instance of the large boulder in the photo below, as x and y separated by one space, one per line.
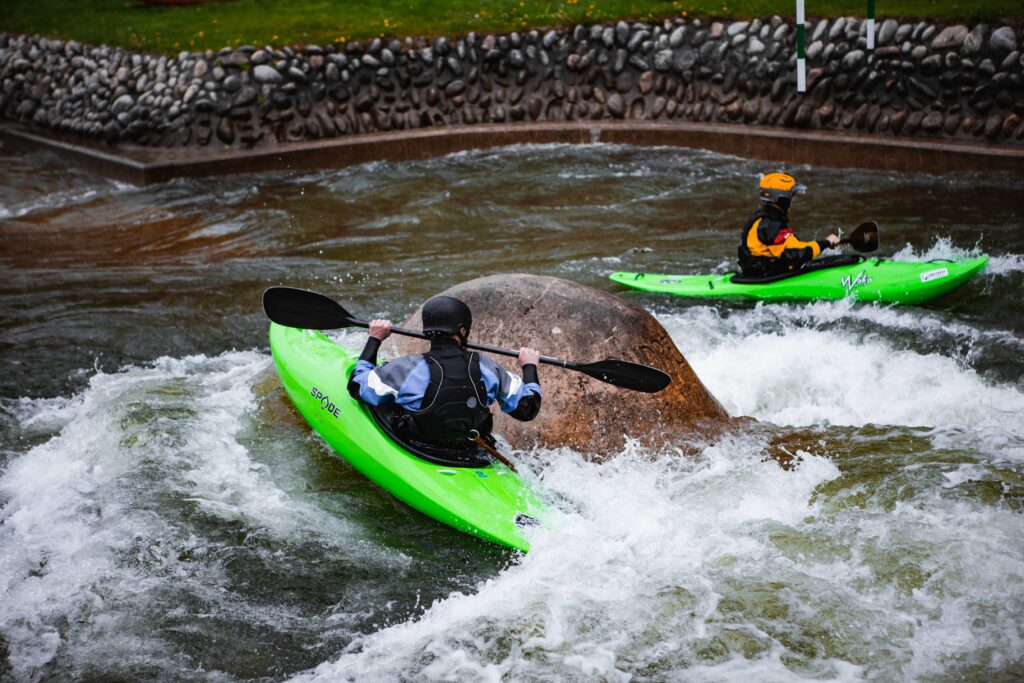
572 322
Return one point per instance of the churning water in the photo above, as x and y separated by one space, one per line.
165 515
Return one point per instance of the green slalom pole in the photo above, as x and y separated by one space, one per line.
801 48
871 24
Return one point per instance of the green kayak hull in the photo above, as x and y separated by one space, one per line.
490 502
897 282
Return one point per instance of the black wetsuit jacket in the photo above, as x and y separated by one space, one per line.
454 402
769 247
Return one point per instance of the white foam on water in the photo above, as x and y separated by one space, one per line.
723 567
85 543
219 229
41 416
800 365
944 248
64 199
941 248
616 583
832 380
710 325
355 338
961 567
590 264
1004 264
633 172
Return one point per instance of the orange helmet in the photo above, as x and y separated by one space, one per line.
779 188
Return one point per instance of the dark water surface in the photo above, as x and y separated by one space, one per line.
165 515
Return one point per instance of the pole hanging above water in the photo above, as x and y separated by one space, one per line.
801 50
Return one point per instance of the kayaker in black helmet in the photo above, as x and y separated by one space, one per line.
447 390
768 246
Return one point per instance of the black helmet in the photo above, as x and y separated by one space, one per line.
445 315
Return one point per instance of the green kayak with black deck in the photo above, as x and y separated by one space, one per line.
836 277
462 489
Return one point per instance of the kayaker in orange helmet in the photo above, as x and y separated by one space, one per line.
768 246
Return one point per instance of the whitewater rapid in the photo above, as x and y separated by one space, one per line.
166 515
728 567
724 566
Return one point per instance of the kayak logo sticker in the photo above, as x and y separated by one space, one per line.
668 281
849 282
325 402
934 274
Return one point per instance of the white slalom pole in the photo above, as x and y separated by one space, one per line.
801 49
871 24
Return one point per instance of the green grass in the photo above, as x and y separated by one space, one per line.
129 23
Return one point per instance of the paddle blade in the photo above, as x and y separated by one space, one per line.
627 375
865 237
304 309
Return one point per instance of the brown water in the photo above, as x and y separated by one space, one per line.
166 516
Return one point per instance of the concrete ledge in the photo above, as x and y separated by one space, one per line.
147 165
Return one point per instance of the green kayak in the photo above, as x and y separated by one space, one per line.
471 494
837 277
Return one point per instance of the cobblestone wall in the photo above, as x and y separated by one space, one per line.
922 79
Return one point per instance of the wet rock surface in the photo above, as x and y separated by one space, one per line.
570 321
689 70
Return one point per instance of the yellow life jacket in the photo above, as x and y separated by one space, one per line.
769 247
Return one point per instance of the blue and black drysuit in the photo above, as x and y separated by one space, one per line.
445 393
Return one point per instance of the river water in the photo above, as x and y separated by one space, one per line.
165 515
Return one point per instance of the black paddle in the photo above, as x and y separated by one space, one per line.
310 310
863 238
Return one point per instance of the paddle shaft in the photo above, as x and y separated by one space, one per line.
479 441
311 310
470 345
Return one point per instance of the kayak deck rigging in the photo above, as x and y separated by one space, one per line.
387 417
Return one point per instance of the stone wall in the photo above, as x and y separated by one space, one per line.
923 79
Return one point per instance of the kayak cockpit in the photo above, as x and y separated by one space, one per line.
813 266
387 418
